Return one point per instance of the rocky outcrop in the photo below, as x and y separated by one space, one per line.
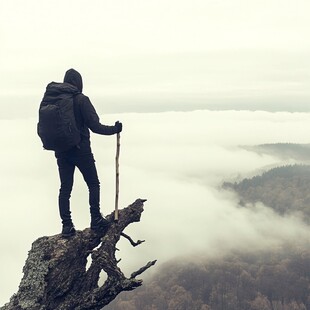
56 272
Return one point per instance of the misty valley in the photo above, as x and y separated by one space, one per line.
254 278
227 213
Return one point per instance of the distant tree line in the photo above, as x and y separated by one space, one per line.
283 150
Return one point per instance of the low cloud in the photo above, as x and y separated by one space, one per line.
176 160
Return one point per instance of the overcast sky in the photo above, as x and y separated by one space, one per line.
158 55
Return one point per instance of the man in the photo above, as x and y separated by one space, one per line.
81 155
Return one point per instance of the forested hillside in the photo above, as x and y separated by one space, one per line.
277 279
257 281
284 189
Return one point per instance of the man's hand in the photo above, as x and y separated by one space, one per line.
118 127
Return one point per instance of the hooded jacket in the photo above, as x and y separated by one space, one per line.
85 114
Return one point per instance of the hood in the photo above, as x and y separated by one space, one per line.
74 78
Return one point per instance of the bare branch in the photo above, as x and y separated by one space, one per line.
142 269
134 244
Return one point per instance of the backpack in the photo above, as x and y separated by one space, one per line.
57 126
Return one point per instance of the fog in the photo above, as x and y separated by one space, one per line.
175 160
263 79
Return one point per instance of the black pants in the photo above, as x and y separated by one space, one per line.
66 166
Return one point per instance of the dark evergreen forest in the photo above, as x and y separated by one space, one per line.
284 189
277 279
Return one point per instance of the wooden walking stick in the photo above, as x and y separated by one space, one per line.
118 144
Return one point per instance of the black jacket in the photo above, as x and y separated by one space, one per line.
85 114
87 118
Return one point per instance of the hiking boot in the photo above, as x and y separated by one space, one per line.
100 224
68 230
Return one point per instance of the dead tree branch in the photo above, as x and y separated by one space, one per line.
55 273
133 243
